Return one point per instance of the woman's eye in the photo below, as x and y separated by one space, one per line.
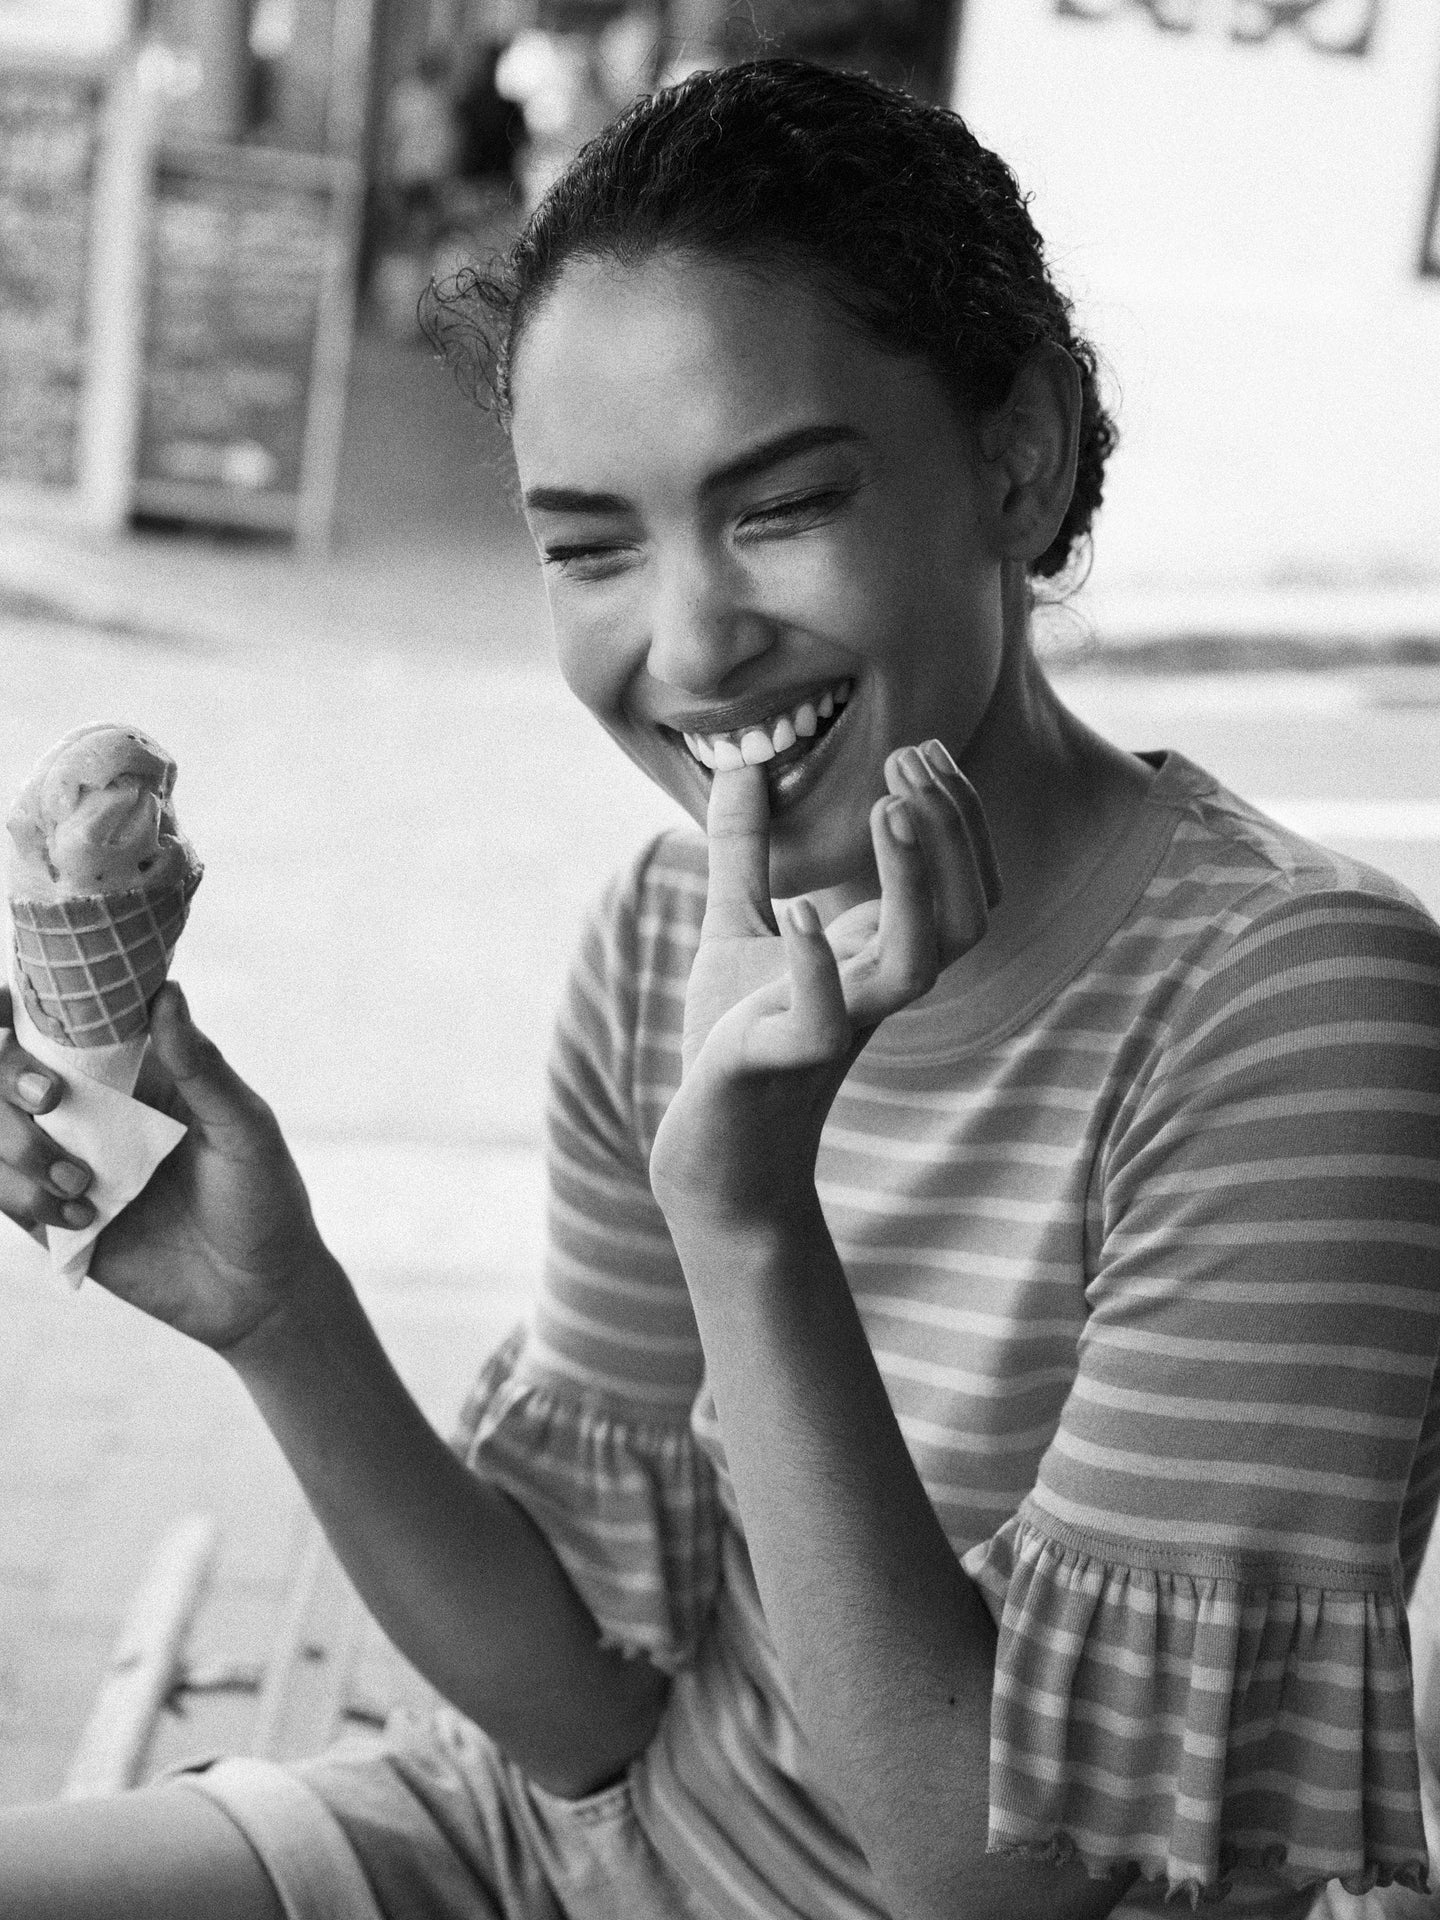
788 516
585 562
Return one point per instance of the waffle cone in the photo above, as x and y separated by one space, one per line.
88 968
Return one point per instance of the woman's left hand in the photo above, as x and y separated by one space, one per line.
775 1019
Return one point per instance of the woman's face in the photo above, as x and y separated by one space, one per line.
761 534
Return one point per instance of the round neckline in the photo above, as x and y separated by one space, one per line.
957 1018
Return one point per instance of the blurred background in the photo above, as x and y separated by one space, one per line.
242 507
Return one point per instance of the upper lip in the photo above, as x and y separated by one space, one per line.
752 711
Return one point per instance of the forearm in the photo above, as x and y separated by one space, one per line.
454 1571
886 1643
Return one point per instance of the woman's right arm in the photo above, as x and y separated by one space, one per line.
222 1246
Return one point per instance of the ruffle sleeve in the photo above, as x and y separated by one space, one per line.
1203 1664
1195 1723
626 1499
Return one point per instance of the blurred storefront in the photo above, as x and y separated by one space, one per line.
483 101
181 186
1242 194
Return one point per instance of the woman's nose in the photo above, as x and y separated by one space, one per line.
701 628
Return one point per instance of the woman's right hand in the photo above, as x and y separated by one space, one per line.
222 1235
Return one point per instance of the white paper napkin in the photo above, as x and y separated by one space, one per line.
122 1140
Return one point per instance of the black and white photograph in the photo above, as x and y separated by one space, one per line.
720 1036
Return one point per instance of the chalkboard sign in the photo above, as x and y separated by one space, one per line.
248 337
50 122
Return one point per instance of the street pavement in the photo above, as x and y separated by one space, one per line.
402 821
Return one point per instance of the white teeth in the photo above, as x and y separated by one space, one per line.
756 745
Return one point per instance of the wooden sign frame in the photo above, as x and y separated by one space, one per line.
96 496
228 495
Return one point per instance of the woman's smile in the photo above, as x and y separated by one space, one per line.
761 543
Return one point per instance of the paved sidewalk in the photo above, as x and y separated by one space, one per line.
429 551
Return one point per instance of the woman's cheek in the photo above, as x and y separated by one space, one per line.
594 659
821 585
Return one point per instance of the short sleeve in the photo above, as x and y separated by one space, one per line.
1202 1662
584 1414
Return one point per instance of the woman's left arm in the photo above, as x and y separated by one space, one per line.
886 1642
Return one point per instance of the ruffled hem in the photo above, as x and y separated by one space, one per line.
627 1501
1063 1850
1196 1724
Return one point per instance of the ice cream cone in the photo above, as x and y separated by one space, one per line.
100 881
88 967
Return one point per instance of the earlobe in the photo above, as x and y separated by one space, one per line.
1030 442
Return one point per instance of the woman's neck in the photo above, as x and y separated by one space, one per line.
1055 793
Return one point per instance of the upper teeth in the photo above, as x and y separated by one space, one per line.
752 746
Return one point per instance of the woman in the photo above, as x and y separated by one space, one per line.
980 1420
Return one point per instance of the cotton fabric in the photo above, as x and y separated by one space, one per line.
1145 1235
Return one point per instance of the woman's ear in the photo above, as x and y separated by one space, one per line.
1029 445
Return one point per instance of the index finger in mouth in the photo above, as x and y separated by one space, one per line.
737 827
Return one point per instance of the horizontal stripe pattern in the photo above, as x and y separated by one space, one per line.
1151 1271
1190 1712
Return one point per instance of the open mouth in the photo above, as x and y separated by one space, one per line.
786 743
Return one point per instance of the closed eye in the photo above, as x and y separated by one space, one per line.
794 514
590 561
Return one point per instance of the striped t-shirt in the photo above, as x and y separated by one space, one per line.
1145 1235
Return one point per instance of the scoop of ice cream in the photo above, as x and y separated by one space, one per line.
96 817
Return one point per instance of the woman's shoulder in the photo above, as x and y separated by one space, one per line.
638 943
1257 929
1226 842
1228 864
664 880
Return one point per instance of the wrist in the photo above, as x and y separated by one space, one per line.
750 1240
315 1306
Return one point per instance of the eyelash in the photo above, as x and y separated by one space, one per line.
798 507
781 513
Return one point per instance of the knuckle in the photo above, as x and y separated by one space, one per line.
205 1054
28 1205
13 1059
23 1147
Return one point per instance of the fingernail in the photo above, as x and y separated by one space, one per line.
33 1087
68 1177
803 916
77 1213
939 756
912 766
897 819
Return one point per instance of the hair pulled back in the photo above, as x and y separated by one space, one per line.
891 206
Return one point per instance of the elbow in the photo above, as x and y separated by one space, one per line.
586 1768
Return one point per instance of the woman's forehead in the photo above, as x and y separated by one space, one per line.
690 348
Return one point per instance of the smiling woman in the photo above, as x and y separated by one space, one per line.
980 1425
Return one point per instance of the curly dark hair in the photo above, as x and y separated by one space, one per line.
892 207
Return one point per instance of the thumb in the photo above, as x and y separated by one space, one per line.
210 1087
737 897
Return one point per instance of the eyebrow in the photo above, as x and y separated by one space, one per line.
747 466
